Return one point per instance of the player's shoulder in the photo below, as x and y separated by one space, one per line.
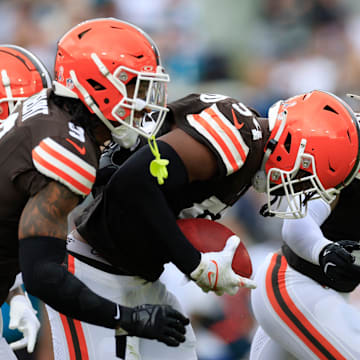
60 148
195 103
226 113
71 159
228 127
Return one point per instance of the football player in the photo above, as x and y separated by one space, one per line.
304 289
301 302
217 148
22 74
107 73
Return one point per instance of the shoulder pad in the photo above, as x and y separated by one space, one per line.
56 162
223 135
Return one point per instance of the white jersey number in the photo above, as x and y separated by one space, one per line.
212 98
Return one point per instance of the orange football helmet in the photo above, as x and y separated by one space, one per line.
22 74
312 152
95 62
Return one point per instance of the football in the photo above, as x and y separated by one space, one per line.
207 236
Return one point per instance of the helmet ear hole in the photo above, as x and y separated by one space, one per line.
287 143
96 85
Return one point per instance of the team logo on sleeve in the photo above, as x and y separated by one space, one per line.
80 149
236 121
55 161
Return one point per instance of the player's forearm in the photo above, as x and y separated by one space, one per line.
44 276
304 236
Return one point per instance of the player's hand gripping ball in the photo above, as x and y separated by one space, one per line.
218 245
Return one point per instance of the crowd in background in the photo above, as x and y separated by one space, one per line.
257 51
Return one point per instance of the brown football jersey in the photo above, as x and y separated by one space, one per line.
39 143
235 134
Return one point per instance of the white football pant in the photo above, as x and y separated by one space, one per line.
75 340
301 317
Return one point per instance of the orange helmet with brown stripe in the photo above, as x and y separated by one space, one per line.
312 152
97 60
22 74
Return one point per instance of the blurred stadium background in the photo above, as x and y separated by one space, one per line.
257 51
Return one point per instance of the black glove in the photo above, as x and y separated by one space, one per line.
160 322
349 245
111 159
338 263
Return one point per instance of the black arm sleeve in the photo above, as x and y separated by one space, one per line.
44 276
144 199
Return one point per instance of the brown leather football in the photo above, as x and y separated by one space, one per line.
207 236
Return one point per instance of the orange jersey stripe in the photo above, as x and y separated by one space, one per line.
77 323
79 330
61 174
228 132
71 264
218 139
81 339
296 312
67 161
68 337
